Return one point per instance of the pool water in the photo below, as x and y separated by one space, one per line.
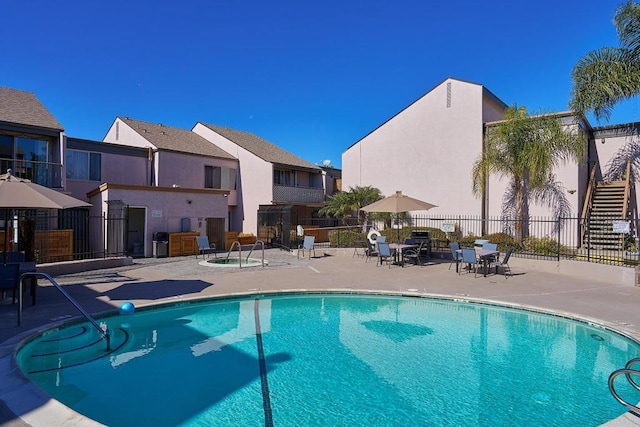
334 359
232 262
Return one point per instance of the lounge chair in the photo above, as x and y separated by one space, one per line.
9 274
455 255
469 258
204 247
384 253
307 245
504 263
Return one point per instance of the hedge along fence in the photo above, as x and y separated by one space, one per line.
547 238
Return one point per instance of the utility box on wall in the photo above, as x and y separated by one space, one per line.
185 225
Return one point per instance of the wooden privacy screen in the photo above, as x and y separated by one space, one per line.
183 243
49 245
53 245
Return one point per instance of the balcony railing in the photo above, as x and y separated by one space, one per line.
299 195
43 173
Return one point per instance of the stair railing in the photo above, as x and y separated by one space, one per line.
627 190
586 207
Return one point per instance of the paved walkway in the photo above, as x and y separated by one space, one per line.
607 300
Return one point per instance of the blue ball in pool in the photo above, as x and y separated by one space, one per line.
127 308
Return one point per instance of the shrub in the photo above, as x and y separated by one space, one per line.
503 240
543 245
346 238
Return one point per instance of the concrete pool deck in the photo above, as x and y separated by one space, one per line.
603 294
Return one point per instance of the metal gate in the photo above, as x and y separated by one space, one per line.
116 228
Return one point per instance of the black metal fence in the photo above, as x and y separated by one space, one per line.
66 235
73 235
615 240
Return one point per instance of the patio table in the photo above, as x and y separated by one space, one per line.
484 255
397 255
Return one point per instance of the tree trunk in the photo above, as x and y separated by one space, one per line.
521 210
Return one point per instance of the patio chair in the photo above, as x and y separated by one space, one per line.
414 255
504 263
204 247
455 255
370 252
15 257
9 274
491 247
381 239
307 245
384 253
469 258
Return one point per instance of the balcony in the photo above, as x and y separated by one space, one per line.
297 195
43 173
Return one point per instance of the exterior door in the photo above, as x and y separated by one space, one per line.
215 231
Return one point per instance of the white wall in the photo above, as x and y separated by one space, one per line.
122 133
255 185
427 150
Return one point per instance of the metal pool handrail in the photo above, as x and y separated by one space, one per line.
261 243
104 333
239 252
628 372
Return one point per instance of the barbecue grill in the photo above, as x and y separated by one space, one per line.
421 236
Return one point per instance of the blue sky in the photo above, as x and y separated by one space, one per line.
311 77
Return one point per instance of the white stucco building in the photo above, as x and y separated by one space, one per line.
427 150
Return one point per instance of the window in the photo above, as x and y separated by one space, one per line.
83 166
220 177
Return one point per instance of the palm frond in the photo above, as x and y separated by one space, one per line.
617 165
552 195
602 78
627 22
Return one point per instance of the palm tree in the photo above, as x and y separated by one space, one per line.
605 76
345 203
525 149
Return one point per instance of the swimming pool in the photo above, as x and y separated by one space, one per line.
333 359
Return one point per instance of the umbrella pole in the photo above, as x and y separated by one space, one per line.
6 235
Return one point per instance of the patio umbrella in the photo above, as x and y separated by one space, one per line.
398 203
19 193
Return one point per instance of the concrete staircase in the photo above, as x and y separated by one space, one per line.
608 204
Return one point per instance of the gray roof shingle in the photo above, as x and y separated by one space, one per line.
21 107
261 147
175 139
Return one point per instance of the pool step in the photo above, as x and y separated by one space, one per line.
72 346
